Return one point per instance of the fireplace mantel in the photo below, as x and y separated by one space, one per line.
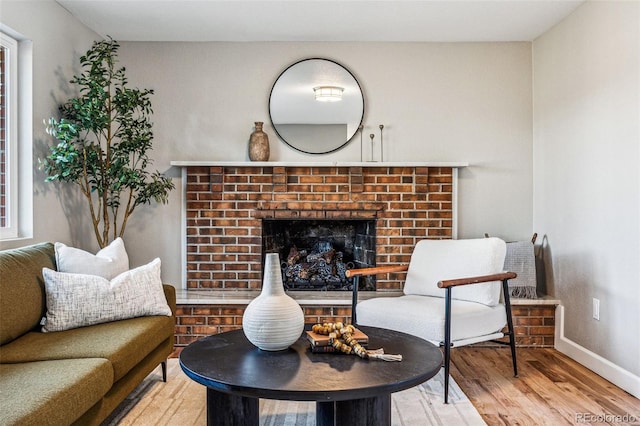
199 163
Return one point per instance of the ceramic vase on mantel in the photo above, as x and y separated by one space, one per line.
259 144
273 321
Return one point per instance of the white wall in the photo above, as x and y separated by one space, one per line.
58 39
586 174
438 102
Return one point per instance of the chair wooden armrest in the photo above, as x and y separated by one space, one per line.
475 280
375 270
362 272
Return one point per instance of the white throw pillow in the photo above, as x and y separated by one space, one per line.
108 263
78 300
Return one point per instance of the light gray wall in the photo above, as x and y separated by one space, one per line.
586 174
438 102
58 39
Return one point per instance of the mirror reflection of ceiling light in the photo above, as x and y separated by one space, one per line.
328 93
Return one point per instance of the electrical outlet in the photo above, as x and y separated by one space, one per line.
596 309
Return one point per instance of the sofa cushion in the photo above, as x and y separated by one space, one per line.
108 263
125 343
78 300
52 392
423 316
437 260
22 299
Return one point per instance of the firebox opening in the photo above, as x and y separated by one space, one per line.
316 253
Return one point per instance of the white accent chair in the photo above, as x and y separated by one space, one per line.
430 308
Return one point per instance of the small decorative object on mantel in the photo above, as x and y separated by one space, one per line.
381 145
259 144
372 136
347 339
361 129
273 321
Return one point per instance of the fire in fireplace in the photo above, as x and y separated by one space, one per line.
316 253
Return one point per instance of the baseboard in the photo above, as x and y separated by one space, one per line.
599 365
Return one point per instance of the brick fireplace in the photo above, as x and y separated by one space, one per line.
225 205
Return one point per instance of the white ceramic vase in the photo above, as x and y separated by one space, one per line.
273 321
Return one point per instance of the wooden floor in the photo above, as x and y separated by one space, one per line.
551 389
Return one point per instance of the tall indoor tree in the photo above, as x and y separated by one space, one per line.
104 136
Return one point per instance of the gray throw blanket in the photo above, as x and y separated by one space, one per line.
521 260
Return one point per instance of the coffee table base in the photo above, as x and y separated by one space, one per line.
230 410
366 411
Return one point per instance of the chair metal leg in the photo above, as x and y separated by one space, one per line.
447 342
512 334
447 357
354 298
164 370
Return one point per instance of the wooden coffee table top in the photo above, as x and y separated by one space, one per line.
229 363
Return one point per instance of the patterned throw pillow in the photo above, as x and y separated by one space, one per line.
108 263
78 300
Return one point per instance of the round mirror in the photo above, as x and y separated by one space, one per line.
316 106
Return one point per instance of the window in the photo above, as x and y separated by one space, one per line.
16 216
8 137
3 141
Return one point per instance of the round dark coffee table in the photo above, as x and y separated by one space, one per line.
348 390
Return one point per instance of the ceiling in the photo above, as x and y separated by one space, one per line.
326 20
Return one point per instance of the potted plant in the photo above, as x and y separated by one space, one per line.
104 136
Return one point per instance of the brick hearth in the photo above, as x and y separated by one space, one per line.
534 320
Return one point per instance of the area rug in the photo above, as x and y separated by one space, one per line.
181 401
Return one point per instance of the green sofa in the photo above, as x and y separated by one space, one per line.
77 376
